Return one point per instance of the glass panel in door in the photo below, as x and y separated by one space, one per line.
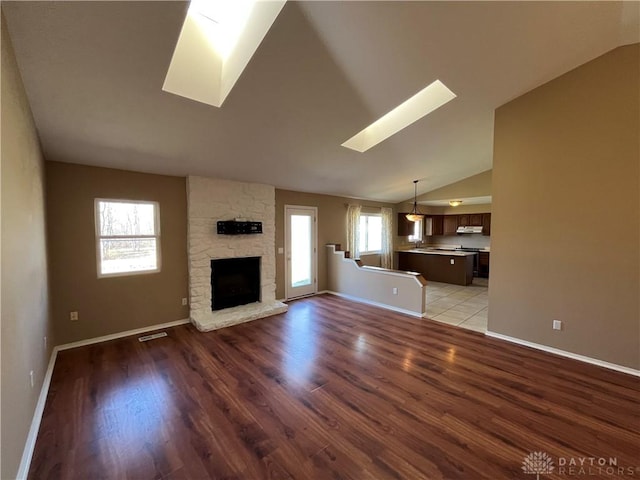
301 251
301 274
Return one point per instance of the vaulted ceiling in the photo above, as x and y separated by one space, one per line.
94 71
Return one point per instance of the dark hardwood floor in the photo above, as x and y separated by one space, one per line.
331 389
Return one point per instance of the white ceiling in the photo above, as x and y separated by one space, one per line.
93 72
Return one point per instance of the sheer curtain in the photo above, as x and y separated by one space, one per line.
386 259
353 230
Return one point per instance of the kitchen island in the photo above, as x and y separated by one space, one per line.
447 266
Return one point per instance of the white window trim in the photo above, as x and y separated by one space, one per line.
370 252
156 220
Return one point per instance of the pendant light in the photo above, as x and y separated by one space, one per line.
414 216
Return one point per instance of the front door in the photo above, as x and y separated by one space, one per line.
300 250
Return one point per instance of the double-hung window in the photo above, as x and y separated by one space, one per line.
127 237
370 233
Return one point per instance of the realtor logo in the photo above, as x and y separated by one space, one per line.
536 463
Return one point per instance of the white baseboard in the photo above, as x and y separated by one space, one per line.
564 353
27 453
128 333
321 292
375 304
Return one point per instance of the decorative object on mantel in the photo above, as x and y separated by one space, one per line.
455 203
235 227
415 215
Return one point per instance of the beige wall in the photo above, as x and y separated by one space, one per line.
332 212
25 295
407 207
448 210
566 215
113 304
475 186
461 209
375 285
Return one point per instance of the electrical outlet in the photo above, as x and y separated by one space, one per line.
45 343
395 290
31 378
557 325
73 316
280 250
184 302
453 262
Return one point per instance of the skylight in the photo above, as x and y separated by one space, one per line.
217 40
221 22
422 103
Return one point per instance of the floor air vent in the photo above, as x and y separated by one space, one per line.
146 338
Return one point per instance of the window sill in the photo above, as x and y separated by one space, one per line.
128 273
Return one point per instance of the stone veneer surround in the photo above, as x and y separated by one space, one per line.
210 200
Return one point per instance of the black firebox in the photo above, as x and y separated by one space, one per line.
234 281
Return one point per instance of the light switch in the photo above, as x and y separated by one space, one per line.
280 250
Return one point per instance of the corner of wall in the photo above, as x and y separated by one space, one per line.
24 288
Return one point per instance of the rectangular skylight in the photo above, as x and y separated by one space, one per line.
422 103
217 40
221 21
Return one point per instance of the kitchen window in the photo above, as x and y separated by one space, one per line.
127 237
416 236
370 233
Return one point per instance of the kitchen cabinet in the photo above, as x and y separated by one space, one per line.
413 262
470 220
437 227
450 224
483 264
405 227
475 219
486 224
456 269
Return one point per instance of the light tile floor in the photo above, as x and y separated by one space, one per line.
464 307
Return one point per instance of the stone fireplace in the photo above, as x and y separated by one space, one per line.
211 200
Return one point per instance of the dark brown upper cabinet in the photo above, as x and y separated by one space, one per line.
437 225
486 224
450 224
463 220
405 227
475 219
